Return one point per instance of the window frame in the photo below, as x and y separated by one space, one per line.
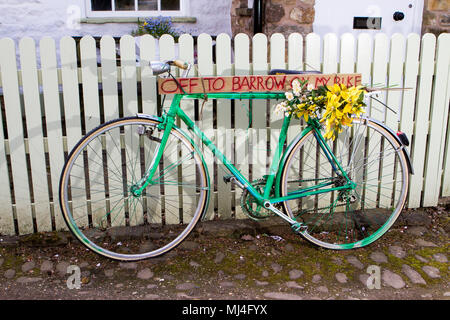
136 13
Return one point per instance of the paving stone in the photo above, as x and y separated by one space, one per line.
27 266
219 257
426 295
28 280
276 267
447 294
289 247
282 296
413 275
145 274
417 218
189 245
420 258
186 286
417 231
151 286
341 277
293 285
194 264
275 252
295 274
109 273
1 261
397 251
147 247
151 296
265 273
337 261
10 273
440 257
168 277
46 266
240 276
424 243
392 279
322 289
247 237
261 283
128 265
378 257
61 268
432 272
316 278
226 284
184 296
355 262
363 278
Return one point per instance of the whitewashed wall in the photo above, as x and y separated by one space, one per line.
39 18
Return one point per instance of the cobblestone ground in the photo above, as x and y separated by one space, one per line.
239 260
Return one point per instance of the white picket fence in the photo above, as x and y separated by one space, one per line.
46 110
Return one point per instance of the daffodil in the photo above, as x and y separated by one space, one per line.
335 105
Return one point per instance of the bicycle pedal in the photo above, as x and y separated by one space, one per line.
298 227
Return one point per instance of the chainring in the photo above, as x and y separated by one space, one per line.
249 204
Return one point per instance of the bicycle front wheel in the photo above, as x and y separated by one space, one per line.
349 218
107 165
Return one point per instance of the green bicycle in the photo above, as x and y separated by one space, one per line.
135 187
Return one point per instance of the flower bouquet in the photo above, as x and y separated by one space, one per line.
335 105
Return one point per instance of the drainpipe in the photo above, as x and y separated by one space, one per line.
257 16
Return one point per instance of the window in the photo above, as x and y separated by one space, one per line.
135 8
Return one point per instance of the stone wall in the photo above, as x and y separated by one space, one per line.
241 18
283 16
436 16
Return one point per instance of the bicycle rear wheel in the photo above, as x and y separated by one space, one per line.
346 219
103 169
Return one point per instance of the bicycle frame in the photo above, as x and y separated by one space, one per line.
167 123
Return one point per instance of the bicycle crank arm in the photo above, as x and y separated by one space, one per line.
270 207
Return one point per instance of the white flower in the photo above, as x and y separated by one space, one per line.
296 84
297 91
310 86
289 96
283 108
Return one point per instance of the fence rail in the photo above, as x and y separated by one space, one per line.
45 110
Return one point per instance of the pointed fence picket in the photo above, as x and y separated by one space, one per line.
47 109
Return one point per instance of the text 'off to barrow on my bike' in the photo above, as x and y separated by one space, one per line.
253 83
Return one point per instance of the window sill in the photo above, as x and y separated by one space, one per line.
133 20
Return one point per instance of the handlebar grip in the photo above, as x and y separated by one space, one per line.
180 64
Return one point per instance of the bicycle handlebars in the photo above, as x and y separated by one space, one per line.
179 63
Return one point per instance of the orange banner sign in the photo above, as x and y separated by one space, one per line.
254 83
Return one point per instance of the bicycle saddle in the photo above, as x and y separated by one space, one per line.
284 71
